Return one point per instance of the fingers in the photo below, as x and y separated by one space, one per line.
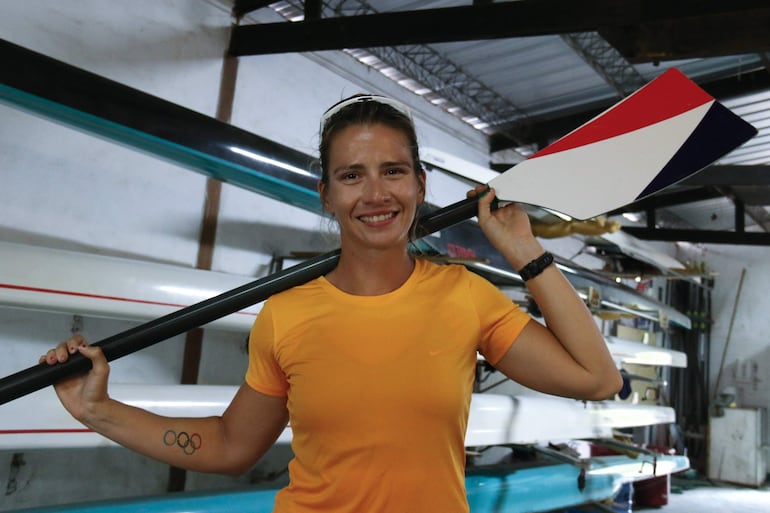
486 196
98 360
479 190
63 350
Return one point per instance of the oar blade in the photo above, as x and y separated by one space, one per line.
660 135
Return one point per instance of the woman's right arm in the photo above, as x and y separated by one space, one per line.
228 444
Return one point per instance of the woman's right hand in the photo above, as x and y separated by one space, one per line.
82 394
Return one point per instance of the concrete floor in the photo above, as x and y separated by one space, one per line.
696 496
715 498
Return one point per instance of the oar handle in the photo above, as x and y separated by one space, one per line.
39 376
447 216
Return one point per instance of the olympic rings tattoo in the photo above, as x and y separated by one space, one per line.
188 443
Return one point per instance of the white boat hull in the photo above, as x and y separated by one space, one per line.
69 282
627 351
39 421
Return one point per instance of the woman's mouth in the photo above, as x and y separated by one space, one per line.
377 218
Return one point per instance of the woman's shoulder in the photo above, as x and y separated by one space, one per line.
297 293
429 269
453 273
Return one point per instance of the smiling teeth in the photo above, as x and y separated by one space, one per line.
376 219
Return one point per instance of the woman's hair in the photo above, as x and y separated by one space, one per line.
365 109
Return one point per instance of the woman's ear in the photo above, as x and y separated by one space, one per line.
422 178
322 193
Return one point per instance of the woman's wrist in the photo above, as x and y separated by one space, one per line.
521 253
96 413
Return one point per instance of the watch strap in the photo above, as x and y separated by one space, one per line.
536 266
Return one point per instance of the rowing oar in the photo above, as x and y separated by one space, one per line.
661 134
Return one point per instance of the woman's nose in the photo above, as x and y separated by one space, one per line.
376 190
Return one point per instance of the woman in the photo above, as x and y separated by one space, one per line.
373 363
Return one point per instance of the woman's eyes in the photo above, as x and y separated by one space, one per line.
352 176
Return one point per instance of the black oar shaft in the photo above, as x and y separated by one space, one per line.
163 328
447 216
34 378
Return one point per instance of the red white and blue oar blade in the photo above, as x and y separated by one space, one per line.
661 134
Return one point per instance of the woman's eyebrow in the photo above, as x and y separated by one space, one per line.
396 163
358 167
348 167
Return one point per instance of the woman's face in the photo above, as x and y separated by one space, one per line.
373 190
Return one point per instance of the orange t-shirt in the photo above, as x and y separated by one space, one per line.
379 387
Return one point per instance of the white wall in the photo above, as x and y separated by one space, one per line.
746 348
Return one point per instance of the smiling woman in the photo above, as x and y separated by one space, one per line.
337 356
372 183
373 191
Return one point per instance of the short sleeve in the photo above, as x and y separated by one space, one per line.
501 320
264 373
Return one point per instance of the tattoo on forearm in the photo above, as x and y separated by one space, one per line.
189 443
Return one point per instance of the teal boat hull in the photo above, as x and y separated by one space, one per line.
494 489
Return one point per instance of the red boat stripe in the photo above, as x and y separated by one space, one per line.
94 296
42 431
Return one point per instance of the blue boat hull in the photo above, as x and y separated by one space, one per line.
528 490
494 489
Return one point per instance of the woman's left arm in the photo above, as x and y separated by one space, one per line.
568 356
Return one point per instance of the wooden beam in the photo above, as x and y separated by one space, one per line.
701 236
725 33
481 21
730 175
472 22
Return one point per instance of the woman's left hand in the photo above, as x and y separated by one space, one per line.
507 228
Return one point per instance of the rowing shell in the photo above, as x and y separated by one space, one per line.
627 351
39 421
530 489
71 282
118 288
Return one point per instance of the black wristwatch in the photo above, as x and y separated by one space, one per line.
536 266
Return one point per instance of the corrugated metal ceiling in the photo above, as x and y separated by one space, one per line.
547 86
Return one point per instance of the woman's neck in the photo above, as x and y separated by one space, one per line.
373 273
